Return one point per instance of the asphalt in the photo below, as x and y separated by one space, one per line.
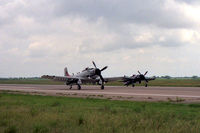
175 94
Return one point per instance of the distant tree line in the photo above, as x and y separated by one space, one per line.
163 77
169 77
19 78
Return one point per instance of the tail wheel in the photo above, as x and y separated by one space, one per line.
102 87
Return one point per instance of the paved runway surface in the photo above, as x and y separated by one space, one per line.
186 94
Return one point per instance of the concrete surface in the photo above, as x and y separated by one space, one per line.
176 94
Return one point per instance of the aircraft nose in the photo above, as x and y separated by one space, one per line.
143 77
97 71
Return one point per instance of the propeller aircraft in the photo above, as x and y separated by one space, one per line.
88 75
137 78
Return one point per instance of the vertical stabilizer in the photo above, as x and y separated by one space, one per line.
66 72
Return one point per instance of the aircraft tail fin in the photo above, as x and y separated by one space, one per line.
66 72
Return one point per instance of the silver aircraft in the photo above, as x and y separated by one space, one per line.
137 78
88 75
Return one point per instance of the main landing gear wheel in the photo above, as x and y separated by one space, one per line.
102 87
79 87
133 85
70 87
146 85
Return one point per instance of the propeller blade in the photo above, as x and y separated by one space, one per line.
146 72
146 80
139 72
104 68
102 79
94 64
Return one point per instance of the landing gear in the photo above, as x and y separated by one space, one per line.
133 85
145 85
78 86
70 87
102 87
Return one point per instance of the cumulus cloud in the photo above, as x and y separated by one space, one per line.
52 34
169 13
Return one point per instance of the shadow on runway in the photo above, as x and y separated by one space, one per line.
75 89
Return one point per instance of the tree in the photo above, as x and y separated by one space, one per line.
194 77
166 77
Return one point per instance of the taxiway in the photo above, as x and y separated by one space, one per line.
187 94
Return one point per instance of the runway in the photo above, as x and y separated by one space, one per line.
176 94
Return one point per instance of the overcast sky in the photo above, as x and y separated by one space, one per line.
43 36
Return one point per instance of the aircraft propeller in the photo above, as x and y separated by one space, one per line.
94 64
98 71
142 76
104 68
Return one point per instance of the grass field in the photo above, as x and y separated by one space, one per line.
30 81
158 82
43 114
168 82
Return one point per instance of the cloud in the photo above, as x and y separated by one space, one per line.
169 13
52 34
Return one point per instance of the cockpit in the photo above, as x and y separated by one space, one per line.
134 75
86 69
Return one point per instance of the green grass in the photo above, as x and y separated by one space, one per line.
176 82
167 82
158 82
43 114
30 81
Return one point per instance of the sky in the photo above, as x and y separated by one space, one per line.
40 37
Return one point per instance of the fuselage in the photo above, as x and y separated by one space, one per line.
87 73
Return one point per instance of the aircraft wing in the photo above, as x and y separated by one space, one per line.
59 78
110 79
133 78
128 78
69 79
